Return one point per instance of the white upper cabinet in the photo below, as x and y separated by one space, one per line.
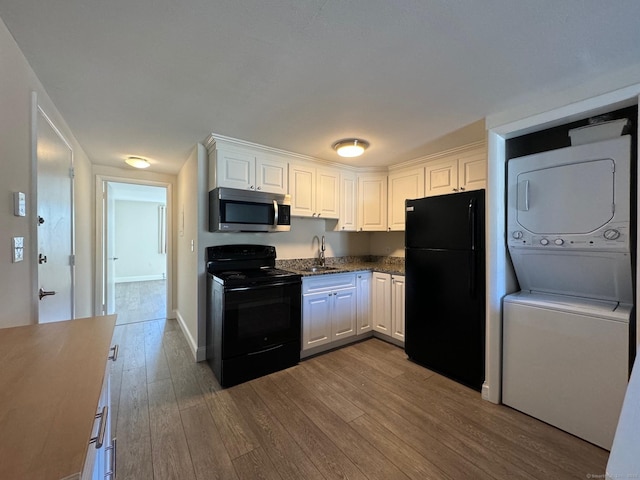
271 174
315 192
457 173
327 193
235 169
403 185
248 170
472 171
372 203
348 202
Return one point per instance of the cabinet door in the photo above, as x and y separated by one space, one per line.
302 187
271 175
235 169
381 302
316 319
348 202
403 185
363 312
327 193
441 177
397 307
372 203
344 314
99 460
472 171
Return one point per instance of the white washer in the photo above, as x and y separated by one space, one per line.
565 362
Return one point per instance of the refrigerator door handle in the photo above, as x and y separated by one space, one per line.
472 223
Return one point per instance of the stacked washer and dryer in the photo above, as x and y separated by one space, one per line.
566 333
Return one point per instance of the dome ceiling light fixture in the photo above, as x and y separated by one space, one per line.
350 147
138 162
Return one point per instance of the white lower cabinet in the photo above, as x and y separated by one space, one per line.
363 314
100 462
328 309
387 304
337 307
381 302
397 307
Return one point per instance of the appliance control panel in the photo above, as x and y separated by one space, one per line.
611 237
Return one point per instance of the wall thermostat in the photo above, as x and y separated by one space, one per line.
19 204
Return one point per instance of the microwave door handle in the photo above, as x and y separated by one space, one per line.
275 214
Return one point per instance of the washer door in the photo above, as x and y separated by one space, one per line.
576 198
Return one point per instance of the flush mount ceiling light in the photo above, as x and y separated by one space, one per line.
137 162
350 147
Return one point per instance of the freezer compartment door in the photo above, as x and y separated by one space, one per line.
453 222
566 369
445 323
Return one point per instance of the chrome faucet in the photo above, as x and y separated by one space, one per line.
322 248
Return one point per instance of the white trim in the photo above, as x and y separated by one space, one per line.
462 149
199 353
140 278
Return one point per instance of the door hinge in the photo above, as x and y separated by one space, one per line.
72 260
72 173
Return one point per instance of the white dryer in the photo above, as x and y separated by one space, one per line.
566 334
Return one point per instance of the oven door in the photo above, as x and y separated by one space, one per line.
261 317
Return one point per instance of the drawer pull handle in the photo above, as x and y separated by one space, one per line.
99 440
114 356
114 459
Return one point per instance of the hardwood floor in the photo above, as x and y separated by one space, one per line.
362 412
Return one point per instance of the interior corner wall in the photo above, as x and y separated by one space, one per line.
186 228
18 299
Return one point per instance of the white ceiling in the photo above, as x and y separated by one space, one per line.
153 77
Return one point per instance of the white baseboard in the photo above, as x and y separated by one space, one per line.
190 340
140 278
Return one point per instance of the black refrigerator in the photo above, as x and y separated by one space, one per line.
445 285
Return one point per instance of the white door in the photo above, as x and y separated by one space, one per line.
55 223
344 314
381 301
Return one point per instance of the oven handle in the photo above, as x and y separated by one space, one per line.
259 287
266 350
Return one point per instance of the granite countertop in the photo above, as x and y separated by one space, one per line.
392 265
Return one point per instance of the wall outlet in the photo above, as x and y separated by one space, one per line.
17 244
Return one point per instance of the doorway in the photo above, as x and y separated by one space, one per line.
135 251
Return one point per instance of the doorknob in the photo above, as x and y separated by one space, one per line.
43 293
113 258
42 259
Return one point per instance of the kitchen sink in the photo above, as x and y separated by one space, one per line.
319 268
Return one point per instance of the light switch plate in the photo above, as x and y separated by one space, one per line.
19 204
18 249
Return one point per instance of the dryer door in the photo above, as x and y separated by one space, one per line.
576 198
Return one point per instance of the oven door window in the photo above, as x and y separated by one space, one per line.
256 318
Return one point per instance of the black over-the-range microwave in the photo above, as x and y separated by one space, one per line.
233 210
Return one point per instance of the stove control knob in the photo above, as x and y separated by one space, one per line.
517 235
612 234
558 241
544 241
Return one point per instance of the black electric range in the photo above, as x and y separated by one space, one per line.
253 313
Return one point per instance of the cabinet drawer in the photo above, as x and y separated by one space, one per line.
321 283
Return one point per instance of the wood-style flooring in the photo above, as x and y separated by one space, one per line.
361 412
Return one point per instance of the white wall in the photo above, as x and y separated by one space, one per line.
186 272
18 300
137 242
